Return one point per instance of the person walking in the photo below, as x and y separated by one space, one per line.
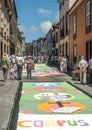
29 65
90 70
83 70
65 64
5 66
61 60
20 62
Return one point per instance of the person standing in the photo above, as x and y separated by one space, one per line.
83 70
29 65
90 70
5 66
20 62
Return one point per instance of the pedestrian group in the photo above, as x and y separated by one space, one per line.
12 66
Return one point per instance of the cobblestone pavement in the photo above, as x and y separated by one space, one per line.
8 92
10 89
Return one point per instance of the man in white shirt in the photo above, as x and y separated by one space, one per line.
83 70
20 62
90 70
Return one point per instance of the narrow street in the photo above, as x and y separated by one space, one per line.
55 36
48 102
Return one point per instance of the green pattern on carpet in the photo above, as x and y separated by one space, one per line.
49 97
42 67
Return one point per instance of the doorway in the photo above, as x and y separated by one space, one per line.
88 49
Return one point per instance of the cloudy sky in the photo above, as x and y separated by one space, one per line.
35 17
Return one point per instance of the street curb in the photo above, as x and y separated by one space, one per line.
14 105
90 95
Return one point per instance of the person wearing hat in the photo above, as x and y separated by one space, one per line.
83 70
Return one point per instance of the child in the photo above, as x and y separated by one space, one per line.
13 71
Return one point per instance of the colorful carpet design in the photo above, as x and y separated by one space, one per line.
46 105
42 67
42 70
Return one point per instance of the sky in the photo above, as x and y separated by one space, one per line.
35 17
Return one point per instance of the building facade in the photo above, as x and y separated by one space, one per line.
29 49
40 46
55 45
35 48
64 6
48 43
4 27
19 42
80 30
11 40
16 42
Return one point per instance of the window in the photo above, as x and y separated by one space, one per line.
4 48
62 49
5 3
88 16
74 53
88 13
88 49
66 47
63 2
60 24
74 26
67 20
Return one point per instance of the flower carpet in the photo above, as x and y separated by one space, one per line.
42 70
53 105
